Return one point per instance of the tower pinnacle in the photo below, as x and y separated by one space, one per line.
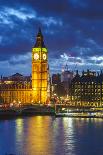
39 32
39 39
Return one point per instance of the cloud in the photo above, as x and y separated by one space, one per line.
20 59
50 21
82 61
72 29
20 63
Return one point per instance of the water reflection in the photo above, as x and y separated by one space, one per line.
19 134
51 136
19 127
39 136
70 139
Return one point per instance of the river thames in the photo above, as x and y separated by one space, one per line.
46 135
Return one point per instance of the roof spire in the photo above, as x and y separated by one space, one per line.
39 39
39 32
66 67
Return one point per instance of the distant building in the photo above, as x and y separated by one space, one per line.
57 85
66 78
87 89
61 82
56 78
15 78
29 89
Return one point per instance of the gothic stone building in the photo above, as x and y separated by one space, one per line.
31 89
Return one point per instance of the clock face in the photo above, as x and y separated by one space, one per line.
36 56
44 56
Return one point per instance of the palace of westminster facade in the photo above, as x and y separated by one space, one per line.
29 89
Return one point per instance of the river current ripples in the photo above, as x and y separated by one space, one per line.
46 135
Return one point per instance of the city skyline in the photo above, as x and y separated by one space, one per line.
72 33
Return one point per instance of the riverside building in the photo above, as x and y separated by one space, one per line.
87 89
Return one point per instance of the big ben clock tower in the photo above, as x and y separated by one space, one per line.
39 70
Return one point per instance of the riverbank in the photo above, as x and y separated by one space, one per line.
46 111
7 116
26 111
80 115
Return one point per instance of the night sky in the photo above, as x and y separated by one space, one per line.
72 29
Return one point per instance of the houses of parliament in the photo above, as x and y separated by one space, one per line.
29 89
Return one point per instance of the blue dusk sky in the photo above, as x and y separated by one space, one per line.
72 29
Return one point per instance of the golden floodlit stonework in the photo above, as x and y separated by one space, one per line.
29 89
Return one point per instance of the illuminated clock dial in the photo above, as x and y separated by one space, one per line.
44 56
36 56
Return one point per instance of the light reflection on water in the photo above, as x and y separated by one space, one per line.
44 135
19 133
70 138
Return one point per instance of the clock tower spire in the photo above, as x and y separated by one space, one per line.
39 39
39 69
